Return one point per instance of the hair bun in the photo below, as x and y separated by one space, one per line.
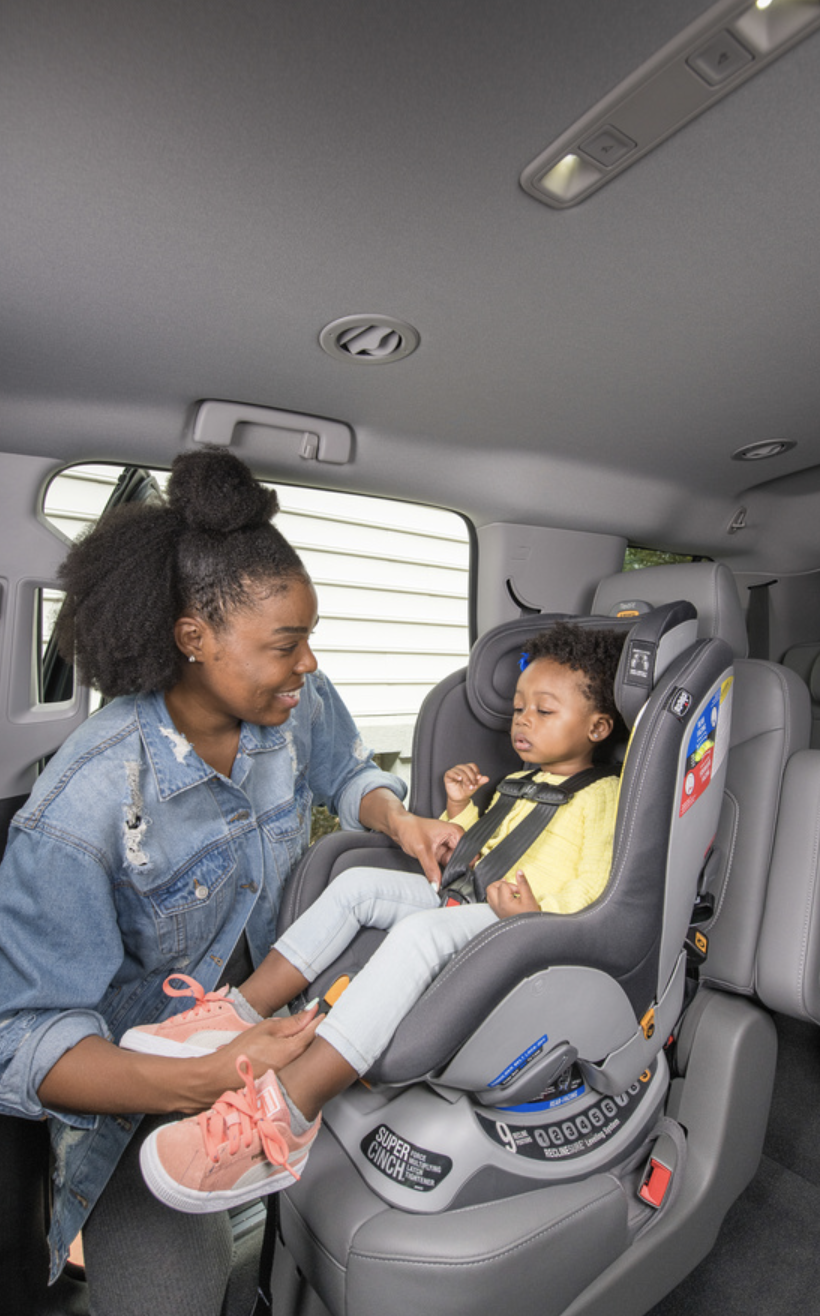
212 490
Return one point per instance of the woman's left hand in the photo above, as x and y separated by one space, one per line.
429 840
271 1044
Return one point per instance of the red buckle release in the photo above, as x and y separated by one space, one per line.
655 1185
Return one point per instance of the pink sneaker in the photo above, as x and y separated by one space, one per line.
240 1149
210 1023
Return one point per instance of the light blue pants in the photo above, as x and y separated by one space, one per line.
423 936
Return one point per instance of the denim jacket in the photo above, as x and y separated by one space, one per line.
133 859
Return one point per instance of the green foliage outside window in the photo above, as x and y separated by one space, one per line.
322 823
653 557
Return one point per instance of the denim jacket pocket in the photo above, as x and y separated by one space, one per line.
188 909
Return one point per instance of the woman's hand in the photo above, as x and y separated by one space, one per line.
507 898
100 1078
270 1045
461 782
429 840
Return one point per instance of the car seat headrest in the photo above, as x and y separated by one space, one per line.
655 639
710 586
493 668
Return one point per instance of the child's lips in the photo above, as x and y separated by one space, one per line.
520 742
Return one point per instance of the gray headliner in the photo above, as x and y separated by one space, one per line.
191 191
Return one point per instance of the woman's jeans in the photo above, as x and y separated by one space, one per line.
423 936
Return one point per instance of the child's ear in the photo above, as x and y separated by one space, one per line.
601 727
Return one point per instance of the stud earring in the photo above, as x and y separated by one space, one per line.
191 658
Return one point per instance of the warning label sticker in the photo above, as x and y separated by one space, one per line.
707 746
700 754
404 1162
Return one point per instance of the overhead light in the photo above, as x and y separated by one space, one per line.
727 45
757 452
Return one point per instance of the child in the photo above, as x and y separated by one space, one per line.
254 1141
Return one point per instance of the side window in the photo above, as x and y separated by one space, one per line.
392 580
636 556
75 499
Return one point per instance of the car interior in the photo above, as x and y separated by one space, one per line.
552 268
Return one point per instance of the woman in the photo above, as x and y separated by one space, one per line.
160 838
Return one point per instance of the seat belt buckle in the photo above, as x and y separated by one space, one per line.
704 908
696 946
659 1171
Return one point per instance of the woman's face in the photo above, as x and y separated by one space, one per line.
254 666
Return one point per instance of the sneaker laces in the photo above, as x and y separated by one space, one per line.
232 1121
203 1001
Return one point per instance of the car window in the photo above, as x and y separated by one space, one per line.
393 586
637 556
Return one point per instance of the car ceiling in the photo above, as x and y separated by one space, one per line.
191 190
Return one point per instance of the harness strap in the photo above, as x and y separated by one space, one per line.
546 800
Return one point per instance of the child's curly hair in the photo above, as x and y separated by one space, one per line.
594 653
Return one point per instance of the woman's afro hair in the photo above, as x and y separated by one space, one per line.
208 547
594 653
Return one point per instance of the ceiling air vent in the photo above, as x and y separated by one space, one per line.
370 339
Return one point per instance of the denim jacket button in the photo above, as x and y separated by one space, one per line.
201 892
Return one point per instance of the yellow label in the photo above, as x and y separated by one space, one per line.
334 992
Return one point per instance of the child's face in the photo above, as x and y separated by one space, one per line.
554 723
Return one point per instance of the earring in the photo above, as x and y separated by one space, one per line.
191 658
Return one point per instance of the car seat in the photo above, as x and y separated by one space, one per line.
503 1137
804 659
771 722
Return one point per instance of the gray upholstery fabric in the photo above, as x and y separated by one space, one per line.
535 1252
804 659
771 721
788 967
709 585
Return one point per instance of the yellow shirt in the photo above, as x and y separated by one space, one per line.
567 866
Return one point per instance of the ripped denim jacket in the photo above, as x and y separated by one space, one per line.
133 858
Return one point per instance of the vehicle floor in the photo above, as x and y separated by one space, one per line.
766 1259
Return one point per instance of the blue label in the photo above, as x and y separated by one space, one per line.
549 1103
519 1062
703 733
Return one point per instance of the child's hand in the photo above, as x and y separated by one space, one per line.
508 898
460 783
